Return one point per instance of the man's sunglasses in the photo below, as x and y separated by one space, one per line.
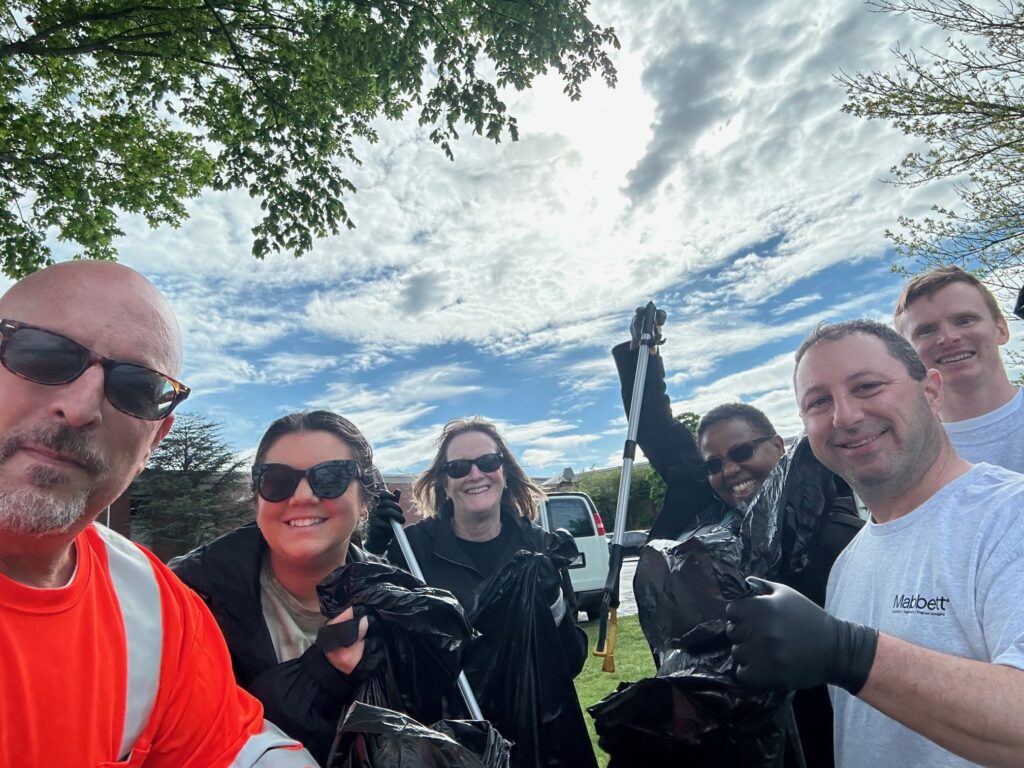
327 480
49 358
737 455
457 468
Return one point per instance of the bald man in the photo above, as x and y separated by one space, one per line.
108 659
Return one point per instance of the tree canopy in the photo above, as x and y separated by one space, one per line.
967 103
110 106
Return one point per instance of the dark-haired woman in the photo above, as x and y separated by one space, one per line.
479 506
313 480
734 453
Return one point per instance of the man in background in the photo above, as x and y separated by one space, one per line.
956 326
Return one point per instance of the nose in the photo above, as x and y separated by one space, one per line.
846 412
304 493
948 334
474 472
79 403
730 467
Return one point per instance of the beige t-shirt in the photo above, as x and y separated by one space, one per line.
292 626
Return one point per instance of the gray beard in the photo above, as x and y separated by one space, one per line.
39 508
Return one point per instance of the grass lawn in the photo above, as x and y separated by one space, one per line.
632 662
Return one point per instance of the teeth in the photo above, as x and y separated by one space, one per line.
477 491
743 487
955 358
305 522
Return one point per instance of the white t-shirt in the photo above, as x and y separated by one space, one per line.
947 576
996 437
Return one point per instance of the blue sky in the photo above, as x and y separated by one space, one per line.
719 178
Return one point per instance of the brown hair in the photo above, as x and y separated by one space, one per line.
340 427
934 281
520 495
897 346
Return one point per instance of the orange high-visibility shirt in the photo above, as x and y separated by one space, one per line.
124 666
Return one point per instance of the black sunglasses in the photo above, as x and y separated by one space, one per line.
740 453
457 468
327 480
49 358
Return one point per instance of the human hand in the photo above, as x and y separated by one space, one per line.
380 533
636 326
347 657
781 639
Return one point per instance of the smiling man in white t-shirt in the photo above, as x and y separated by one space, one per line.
956 326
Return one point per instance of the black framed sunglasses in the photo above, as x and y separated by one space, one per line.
327 480
49 358
738 454
457 468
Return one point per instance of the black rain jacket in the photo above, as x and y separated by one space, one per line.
304 697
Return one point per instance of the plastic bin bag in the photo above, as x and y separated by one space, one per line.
517 667
693 712
423 633
373 737
417 639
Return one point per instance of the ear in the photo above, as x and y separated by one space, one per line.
161 433
932 385
780 445
1004 330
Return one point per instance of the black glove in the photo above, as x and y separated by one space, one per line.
379 533
636 327
780 639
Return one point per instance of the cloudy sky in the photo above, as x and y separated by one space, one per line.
719 179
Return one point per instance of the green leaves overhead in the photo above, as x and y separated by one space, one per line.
125 106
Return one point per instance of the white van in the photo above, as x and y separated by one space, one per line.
577 514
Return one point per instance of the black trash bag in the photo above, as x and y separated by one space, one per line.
693 712
517 667
780 522
422 633
374 737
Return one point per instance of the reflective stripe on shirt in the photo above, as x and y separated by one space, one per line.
264 750
138 594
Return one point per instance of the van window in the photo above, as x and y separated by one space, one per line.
572 514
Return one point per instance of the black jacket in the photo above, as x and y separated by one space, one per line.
690 502
304 697
445 565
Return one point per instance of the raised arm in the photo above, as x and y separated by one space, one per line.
667 444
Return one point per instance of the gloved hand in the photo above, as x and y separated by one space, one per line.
636 327
379 533
550 589
780 639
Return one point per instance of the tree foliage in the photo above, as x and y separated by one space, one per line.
967 103
603 487
193 489
111 106
690 420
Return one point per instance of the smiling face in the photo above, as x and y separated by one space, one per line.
954 331
738 482
478 493
305 530
866 418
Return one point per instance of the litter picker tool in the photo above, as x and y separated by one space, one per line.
414 568
608 625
